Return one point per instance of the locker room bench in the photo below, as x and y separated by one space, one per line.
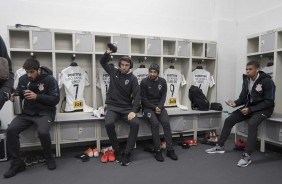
81 127
270 131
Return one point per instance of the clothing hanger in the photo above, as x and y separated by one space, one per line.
73 63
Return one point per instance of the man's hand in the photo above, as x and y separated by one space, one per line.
30 95
245 111
158 110
131 115
231 103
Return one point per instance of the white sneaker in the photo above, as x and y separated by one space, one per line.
245 160
216 149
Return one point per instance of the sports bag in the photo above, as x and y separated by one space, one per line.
4 69
198 100
216 106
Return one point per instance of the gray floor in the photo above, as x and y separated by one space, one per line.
194 167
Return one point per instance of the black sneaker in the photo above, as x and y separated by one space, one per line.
171 154
28 160
125 161
118 156
14 169
159 156
51 164
41 158
34 160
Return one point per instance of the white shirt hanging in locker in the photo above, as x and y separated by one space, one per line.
74 79
103 83
173 79
203 80
141 73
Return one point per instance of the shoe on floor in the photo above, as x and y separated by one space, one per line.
216 149
14 169
245 160
89 152
95 152
51 163
111 155
105 156
159 156
171 154
125 161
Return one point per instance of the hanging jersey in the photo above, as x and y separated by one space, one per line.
173 79
20 72
74 79
103 83
268 70
203 80
141 73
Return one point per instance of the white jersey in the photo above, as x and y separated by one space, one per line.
173 79
203 80
103 82
141 73
74 79
268 70
20 72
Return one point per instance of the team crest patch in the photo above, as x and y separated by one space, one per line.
259 88
126 82
41 87
149 115
160 87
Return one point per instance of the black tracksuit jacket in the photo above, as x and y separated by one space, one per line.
124 92
153 93
261 97
47 90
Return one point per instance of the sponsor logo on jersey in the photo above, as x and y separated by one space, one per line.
41 87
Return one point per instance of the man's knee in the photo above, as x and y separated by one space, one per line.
43 133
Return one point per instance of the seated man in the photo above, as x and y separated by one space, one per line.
40 93
6 86
257 101
123 101
153 96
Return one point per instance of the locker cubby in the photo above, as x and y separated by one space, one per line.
169 47
137 45
197 49
63 41
263 59
101 43
183 48
279 40
18 58
253 45
19 39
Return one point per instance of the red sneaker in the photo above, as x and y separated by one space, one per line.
105 157
89 152
191 142
111 154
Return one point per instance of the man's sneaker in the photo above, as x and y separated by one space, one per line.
95 152
41 158
14 169
111 155
125 161
34 160
105 156
171 154
51 163
216 149
245 160
159 156
118 156
89 152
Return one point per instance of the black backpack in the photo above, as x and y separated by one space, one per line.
198 100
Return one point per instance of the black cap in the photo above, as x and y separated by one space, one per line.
155 66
